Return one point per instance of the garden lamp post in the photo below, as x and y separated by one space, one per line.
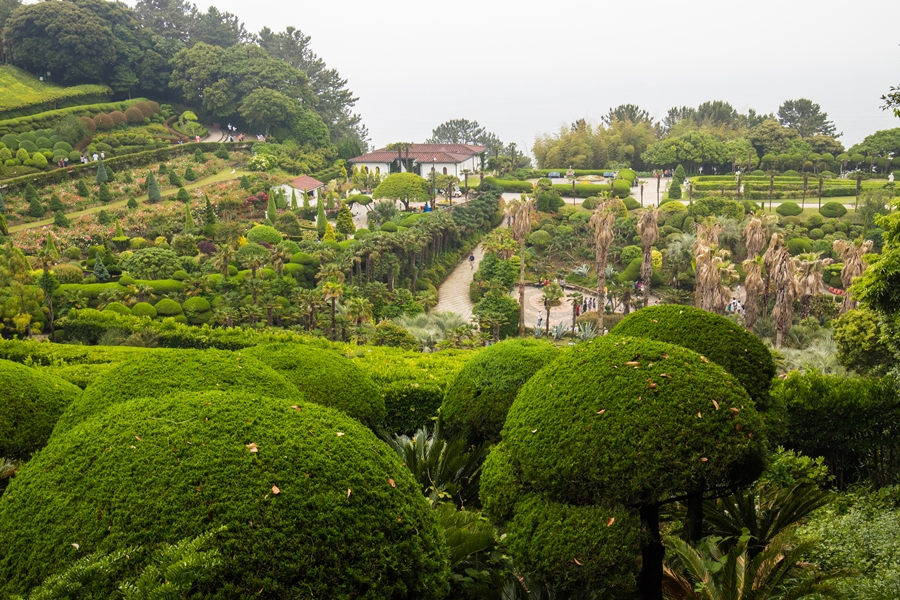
433 182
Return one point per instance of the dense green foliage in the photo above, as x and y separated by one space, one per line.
177 370
313 504
477 401
327 378
740 353
860 438
30 404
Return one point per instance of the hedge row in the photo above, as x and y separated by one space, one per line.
46 119
621 188
77 94
138 159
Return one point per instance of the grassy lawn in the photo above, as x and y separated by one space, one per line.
223 175
20 89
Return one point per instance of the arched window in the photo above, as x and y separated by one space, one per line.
445 170
378 170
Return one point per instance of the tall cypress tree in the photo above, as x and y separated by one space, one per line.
119 232
2 205
305 201
60 220
104 194
321 220
153 188
272 210
293 198
102 176
188 218
210 215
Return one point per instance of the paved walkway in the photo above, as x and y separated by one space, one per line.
214 135
453 295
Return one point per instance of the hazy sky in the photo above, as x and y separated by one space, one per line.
525 68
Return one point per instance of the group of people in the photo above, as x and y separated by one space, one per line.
734 307
587 305
233 134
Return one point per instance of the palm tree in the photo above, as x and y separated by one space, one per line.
224 257
769 256
602 220
519 213
679 253
648 229
279 257
852 256
810 269
754 236
753 286
332 289
785 292
550 297
358 310
706 267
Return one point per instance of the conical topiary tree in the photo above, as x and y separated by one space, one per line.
153 188
51 247
104 194
2 205
31 193
56 204
198 156
222 152
321 220
182 195
174 179
190 174
35 208
209 216
119 232
132 203
305 201
82 189
329 233
345 221
101 275
60 220
272 209
102 175
293 198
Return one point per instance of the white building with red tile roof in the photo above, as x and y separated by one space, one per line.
447 159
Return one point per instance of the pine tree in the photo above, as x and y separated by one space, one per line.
183 195
345 221
293 198
60 220
329 233
272 210
305 201
31 194
35 208
101 275
198 156
2 205
321 221
188 218
110 175
82 189
102 175
51 246
190 174
210 215
222 152
153 188
104 218
245 182
119 232
56 204
174 179
132 203
104 194
330 205
162 169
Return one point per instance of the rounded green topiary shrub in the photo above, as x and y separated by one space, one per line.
168 308
799 246
118 307
791 173
389 227
264 233
165 371
631 203
476 403
724 342
609 425
788 209
327 378
313 505
30 404
196 304
816 234
833 210
143 309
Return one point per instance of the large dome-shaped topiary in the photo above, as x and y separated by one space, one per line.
476 402
163 371
620 422
30 403
314 505
327 378
722 341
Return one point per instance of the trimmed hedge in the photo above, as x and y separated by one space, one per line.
305 502
722 341
264 233
160 372
477 401
168 308
833 210
30 404
326 378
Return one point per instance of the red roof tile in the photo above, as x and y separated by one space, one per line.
424 153
306 183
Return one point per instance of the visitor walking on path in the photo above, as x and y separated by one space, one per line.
471 261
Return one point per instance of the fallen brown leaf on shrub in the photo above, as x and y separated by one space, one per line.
391 483
253 448
275 490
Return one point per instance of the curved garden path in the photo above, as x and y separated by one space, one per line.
223 175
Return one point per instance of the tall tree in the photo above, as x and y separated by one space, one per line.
459 131
264 108
648 230
628 112
519 214
405 187
806 118
853 256
602 220
783 276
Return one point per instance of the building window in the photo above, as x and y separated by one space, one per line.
445 170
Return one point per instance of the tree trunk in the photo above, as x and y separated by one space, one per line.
547 324
333 323
601 288
650 578
522 287
693 523
647 273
